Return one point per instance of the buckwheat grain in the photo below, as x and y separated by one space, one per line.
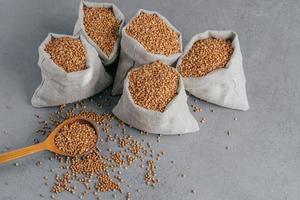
76 138
68 53
206 56
102 27
154 34
154 85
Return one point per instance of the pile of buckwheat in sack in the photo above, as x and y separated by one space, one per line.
154 75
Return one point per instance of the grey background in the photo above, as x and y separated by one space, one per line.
263 159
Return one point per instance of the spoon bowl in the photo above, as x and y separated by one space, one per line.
49 143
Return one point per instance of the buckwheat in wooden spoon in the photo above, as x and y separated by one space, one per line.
73 137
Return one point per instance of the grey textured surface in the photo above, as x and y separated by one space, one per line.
263 158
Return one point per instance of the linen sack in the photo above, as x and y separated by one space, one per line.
226 86
80 30
59 87
176 119
133 54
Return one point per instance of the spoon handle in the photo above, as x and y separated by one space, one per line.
15 154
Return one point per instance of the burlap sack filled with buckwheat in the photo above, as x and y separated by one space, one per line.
149 112
224 86
103 31
60 87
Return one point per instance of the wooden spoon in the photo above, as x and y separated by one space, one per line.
49 143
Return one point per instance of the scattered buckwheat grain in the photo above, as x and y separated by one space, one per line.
106 184
98 118
98 171
91 163
102 27
154 85
150 176
117 157
206 56
68 53
154 34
